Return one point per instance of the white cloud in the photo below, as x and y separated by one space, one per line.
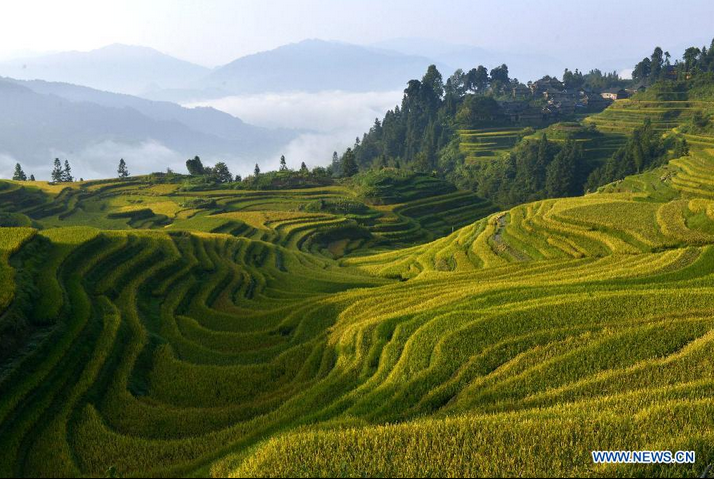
7 166
626 73
100 160
334 119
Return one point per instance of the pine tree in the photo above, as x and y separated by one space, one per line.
19 174
67 173
336 167
123 171
57 176
349 164
303 169
283 164
32 178
256 171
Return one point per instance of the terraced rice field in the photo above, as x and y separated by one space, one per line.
145 333
488 143
626 115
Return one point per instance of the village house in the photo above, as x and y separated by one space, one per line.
615 94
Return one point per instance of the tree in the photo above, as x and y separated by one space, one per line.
32 178
123 171
221 173
573 80
500 74
19 174
657 63
57 176
283 164
434 81
691 58
303 169
335 165
477 79
456 84
238 178
561 173
195 167
67 173
256 171
349 164
642 70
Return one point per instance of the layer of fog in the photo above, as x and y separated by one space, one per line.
331 119
99 160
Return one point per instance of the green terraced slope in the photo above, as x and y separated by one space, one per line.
151 331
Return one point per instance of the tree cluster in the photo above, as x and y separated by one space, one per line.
219 173
534 170
645 149
61 174
658 66
412 134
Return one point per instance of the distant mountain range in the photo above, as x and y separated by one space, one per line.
317 65
117 68
308 66
41 120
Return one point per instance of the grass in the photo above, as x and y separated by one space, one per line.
372 329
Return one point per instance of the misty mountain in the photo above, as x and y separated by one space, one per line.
317 65
522 65
119 68
42 120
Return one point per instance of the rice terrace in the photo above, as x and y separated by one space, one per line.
498 279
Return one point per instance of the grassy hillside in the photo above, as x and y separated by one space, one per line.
347 331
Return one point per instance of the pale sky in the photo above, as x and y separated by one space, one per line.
214 32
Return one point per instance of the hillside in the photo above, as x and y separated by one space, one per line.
42 120
383 324
344 330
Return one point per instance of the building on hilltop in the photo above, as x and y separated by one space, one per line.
615 94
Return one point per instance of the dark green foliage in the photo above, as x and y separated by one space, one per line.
19 175
645 149
695 61
221 173
195 167
338 206
67 173
534 170
562 176
57 175
122 171
283 164
349 164
478 111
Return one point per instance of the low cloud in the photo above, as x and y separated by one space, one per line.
7 166
333 119
100 160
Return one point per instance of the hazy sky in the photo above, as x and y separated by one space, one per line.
213 32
